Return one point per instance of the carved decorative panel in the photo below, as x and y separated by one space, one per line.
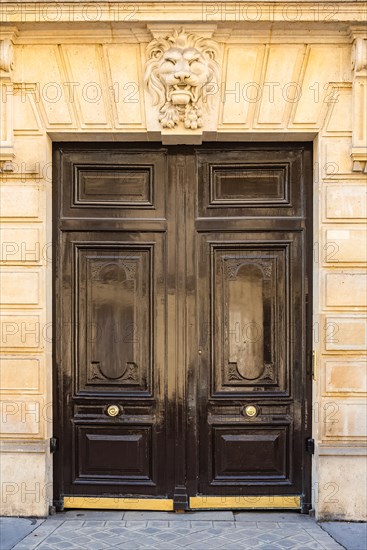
249 185
260 183
124 185
113 454
250 453
249 318
115 318
120 186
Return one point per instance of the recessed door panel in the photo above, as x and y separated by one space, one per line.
254 454
113 454
250 318
254 183
115 297
113 184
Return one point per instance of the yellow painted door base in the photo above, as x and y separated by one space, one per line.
196 503
119 503
246 502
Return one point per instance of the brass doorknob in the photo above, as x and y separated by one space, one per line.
250 411
113 410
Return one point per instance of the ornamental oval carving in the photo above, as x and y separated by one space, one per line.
6 55
182 75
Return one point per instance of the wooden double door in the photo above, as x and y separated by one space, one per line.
182 364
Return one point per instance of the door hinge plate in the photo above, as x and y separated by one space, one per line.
314 365
310 446
53 445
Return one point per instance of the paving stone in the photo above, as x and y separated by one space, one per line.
188 516
93 523
159 524
91 514
204 524
195 526
169 535
136 524
234 535
267 525
115 523
97 545
285 543
225 524
295 525
270 537
299 539
271 516
314 545
161 545
129 546
245 526
118 530
181 530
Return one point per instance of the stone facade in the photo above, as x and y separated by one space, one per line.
288 71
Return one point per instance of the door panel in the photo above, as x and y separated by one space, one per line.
113 454
182 346
256 182
114 312
250 319
253 454
112 183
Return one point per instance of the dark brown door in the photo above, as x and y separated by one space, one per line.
181 307
251 312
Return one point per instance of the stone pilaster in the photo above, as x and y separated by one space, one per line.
6 100
359 66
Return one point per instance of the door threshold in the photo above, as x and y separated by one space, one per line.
196 503
245 502
118 503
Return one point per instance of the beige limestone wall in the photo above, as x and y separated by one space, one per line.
83 83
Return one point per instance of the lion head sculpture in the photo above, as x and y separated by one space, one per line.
179 69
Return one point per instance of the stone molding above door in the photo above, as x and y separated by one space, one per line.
258 82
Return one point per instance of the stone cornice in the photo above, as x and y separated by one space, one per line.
205 11
119 33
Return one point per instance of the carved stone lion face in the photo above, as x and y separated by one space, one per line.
183 73
178 68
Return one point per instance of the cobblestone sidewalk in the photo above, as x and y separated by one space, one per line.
79 530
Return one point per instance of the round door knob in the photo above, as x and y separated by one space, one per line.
250 410
113 410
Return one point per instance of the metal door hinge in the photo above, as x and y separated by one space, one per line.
54 445
314 365
310 446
